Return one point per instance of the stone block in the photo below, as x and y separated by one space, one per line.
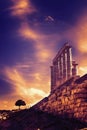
78 104
66 99
72 92
64 91
63 101
53 98
71 98
80 95
71 106
76 109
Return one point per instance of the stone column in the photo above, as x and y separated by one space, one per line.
69 62
58 68
74 69
64 66
61 68
52 76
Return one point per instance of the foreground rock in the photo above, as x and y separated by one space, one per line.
37 120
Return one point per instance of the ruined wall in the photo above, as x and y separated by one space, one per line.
69 99
63 67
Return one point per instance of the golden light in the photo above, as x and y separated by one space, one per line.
22 7
43 54
26 32
81 33
82 70
27 90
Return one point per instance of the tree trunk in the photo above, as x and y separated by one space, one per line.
19 107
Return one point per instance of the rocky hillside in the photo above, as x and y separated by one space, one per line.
69 99
37 120
64 109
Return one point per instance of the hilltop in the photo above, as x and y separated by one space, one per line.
64 109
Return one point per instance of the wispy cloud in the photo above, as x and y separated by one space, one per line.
82 34
43 43
78 35
22 7
83 70
24 88
27 32
49 19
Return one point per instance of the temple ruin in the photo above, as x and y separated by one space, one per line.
63 67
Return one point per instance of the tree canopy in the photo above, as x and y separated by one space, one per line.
20 103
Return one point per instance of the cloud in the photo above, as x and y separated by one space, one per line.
23 66
43 44
15 77
30 89
33 91
78 35
22 7
27 32
82 34
43 50
49 19
82 70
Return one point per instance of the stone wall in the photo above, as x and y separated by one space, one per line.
68 100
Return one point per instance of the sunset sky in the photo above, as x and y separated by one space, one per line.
31 33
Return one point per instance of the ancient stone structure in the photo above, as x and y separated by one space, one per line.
68 96
68 100
63 67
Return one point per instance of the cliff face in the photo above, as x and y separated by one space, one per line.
68 100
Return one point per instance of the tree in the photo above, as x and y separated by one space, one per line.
20 103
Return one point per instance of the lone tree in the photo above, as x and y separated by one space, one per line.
20 103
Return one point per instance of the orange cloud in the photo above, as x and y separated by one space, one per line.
78 36
22 7
31 92
43 52
83 70
81 33
28 33
42 48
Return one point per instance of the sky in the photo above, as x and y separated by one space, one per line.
31 33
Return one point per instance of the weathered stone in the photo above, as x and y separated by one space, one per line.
68 99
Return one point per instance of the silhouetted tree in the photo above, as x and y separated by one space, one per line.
20 103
